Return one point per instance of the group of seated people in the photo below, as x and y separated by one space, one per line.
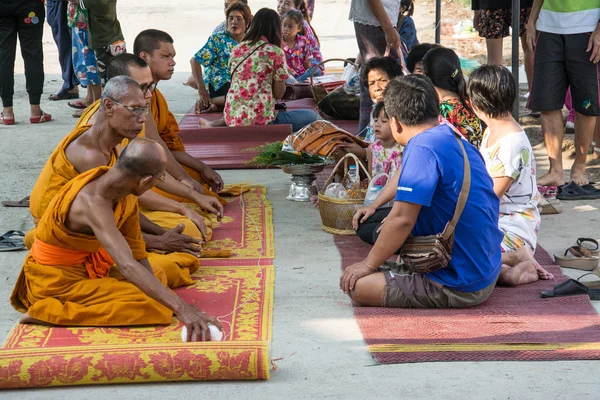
121 210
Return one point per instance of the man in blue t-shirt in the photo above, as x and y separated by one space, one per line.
426 197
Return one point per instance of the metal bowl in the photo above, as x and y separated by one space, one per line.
303 169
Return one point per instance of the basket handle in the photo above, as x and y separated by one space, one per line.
345 160
326 61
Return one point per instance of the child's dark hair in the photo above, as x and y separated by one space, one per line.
266 22
442 66
412 100
297 17
386 64
378 108
417 53
493 90
409 7
300 5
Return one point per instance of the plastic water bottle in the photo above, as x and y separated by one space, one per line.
372 194
352 177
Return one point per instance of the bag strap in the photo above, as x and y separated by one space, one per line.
245 58
464 192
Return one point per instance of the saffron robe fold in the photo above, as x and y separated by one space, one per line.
58 171
56 288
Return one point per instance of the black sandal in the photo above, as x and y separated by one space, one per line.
573 191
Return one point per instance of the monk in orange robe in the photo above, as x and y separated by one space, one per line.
88 147
91 226
156 48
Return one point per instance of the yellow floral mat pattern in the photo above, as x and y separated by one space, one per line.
240 294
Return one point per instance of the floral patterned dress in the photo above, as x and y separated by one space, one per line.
467 123
297 55
250 99
84 58
385 160
214 57
512 156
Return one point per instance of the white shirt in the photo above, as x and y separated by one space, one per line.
361 13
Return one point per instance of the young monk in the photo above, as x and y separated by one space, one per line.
89 147
156 48
511 164
91 225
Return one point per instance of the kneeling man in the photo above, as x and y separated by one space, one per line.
426 198
91 226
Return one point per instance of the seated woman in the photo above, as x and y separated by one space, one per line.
426 198
214 57
510 162
442 66
302 59
258 74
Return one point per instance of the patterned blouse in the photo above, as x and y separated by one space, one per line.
214 57
464 120
302 51
385 160
250 99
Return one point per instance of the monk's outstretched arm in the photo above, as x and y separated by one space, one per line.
207 203
173 166
102 222
154 201
212 178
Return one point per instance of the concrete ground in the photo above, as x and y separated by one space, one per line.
314 332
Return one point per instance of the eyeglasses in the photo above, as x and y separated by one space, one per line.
148 87
137 111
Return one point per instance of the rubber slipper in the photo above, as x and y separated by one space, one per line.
63 96
549 192
592 247
24 202
593 286
573 191
6 121
42 118
577 257
567 288
549 207
8 242
78 104
591 187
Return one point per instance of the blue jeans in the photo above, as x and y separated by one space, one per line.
56 15
297 118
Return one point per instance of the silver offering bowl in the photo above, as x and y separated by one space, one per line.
303 180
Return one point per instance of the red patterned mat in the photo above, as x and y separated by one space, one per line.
514 324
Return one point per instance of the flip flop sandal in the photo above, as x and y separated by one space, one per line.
579 258
593 247
573 191
549 207
591 187
6 121
42 118
24 202
9 243
78 104
574 287
549 192
63 96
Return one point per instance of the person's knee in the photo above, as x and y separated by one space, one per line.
368 292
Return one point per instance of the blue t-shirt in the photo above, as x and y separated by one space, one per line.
432 176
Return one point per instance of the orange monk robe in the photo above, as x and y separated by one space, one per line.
158 217
58 171
64 280
168 129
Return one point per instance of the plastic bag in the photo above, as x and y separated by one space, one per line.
336 191
352 78
375 187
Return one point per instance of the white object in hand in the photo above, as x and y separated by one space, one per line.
215 334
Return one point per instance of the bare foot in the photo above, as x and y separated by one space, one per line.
204 123
191 83
551 179
542 273
578 175
26 319
520 274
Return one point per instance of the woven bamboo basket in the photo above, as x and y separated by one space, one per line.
337 214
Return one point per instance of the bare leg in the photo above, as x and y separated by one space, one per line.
597 139
26 319
494 51
520 274
524 259
528 62
554 131
369 290
584 131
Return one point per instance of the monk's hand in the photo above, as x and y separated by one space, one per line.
192 184
210 205
173 241
354 273
196 321
361 215
196 218
212 178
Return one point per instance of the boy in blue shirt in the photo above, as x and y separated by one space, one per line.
427 192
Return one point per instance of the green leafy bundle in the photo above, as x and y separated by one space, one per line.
272 154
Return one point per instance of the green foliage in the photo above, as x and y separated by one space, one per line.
272 154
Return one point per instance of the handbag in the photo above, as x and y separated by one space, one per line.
340 105
423 254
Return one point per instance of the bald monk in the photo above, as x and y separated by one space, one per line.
156 48
89 227
121 117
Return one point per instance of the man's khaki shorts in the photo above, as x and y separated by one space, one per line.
405 289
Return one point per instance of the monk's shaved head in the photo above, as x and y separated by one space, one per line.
122 64
119 87
142 157
150 40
